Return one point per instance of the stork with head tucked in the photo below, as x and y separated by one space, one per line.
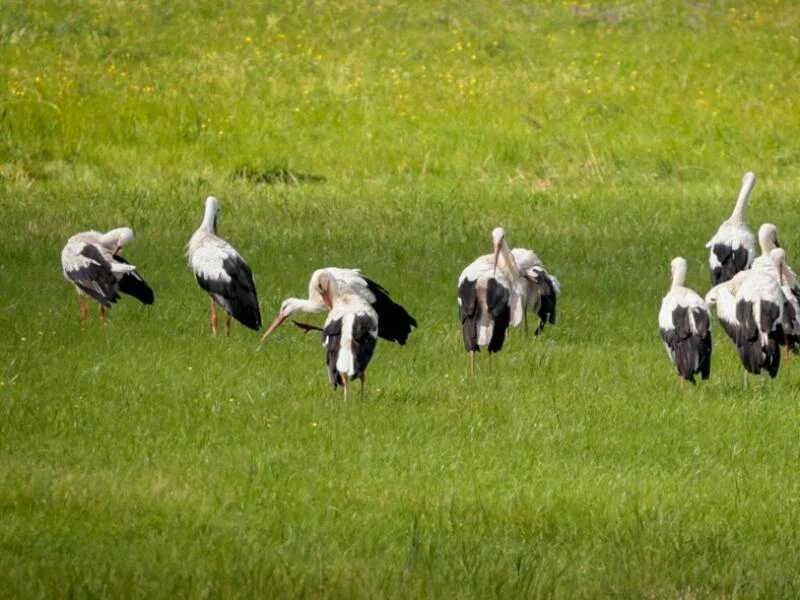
91 262
540 288
733 247
684 322
222 273
394 321
349 335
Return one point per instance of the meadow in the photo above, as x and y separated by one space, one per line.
145 458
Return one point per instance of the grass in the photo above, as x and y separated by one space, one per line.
146 459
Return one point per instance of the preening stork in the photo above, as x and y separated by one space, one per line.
222 273
489 299
541 288
394 321
684 322
91 262
349 335
733 247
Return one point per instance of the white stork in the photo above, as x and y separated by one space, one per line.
349 335
751 309
684 322
733 247
91 262
222 273
489 299
541 288
394 321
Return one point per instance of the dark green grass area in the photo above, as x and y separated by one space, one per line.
146 459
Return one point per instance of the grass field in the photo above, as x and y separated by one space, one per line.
146 459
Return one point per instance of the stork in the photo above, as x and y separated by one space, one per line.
541 288
752 310
222 273
394 321
684 322
91 262
733 247
489 299
349 335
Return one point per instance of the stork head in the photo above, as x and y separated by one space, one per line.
768 237
117 239
498 239
678 268
327 288
288 307
778 256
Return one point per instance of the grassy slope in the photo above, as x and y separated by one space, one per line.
147 458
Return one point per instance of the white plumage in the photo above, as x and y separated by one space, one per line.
733 247
684 322
752 308
490 298
90 261
394 322
540 287
349 335
222 273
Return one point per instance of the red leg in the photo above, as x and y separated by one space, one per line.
84 308
228 325
103 315
213 317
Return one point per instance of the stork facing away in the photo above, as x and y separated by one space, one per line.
733 247
755 312
222 273
90 260
684 322
349 335
394 322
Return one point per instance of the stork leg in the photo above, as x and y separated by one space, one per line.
84 308
228 325
344 385
361 393
683 383
525 320
213 317
472 362
104 314
786 352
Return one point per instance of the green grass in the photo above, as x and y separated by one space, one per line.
146 459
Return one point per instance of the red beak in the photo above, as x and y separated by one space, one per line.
274 325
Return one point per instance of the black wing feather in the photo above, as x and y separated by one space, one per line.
394 321
134 285
332 338
469 313
96 279
238 295
497 297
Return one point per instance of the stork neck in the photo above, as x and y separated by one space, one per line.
507 262
737 216
210 218
311 305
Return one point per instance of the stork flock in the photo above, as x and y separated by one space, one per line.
757 300
495 292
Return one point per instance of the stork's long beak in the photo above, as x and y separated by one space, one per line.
116 249
781 277
497 249
274 325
